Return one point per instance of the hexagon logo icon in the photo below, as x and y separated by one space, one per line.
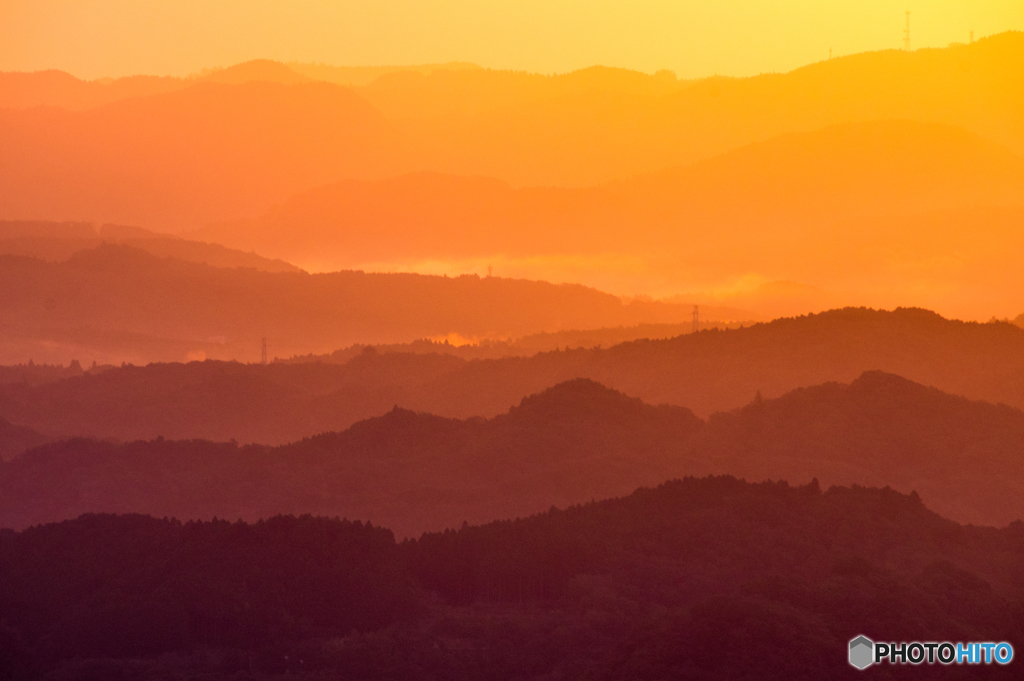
862 652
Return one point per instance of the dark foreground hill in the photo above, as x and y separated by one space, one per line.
572 443
697 579
710 371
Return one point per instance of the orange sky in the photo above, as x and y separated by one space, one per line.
98 38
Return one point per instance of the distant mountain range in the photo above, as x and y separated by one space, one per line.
181 158
794 188
52 88
782 193
574 442
524 129
118 302
843 209
714 370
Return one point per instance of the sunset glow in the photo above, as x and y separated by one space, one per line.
465 340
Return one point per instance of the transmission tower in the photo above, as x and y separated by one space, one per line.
263 353
696 318
906 34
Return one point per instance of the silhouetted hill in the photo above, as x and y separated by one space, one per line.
255 71
573 442
273 404
721 369
59 89
712 579
115 303
881 429
179 159
709 371
16 439
55 241
54 88
410 471
790 186
850 170
408 217
141 586
827 565
20 90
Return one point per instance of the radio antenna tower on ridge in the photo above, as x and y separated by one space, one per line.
263 353
696 318
906 34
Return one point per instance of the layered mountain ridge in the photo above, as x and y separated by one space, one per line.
576 441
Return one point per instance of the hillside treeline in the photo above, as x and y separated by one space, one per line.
708 579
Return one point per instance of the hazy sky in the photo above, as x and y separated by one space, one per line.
95 38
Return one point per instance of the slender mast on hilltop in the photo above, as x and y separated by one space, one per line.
906 34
